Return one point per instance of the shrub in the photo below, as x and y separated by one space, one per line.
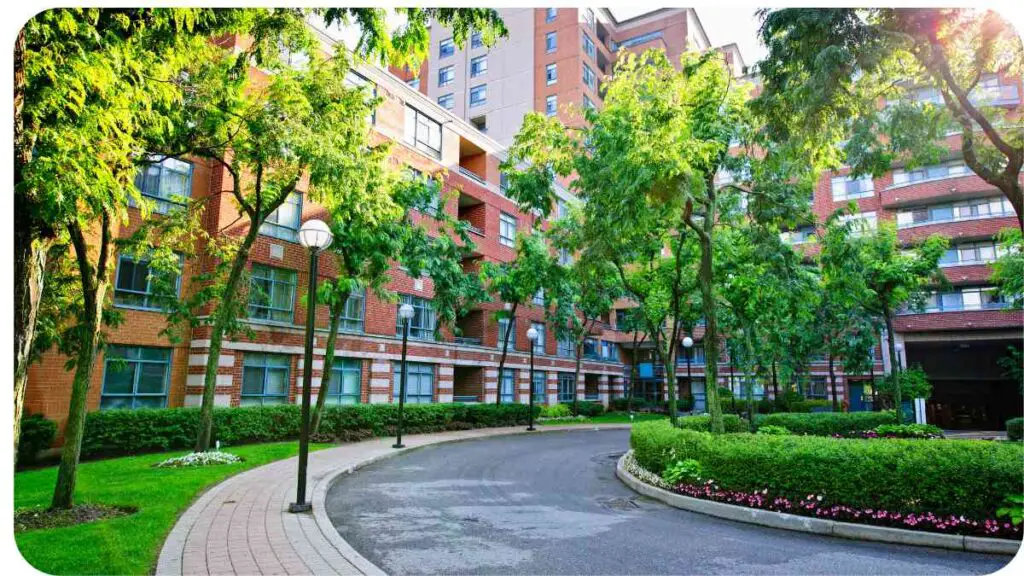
589 409
908 431
810 406
683 471
1015 428
964 477
685 404
788 397
733 423
37 434
724 393
555 411
773 430
120 432
765 406
826 423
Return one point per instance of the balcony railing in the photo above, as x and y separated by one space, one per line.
472 176
473 229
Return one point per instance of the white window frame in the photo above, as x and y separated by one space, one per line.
507 225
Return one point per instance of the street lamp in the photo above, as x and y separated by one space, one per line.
532 336
315 235
688 343
405 313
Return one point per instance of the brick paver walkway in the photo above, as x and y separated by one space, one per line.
242 525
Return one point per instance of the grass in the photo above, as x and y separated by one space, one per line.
608 418
127 544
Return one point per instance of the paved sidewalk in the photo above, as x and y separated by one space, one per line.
242 525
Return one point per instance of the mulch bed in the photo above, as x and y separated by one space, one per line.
38 518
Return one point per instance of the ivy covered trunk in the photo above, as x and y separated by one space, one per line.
894 366
832 379
706 277
504 352
325 379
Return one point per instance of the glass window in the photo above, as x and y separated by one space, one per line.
540 381
637 40
421 326
135 377
133 287
588 15
567 348
284 222
817 388
446 48
272 293
265 379
588 77
566 387
345 385
564 257
168 182
540 346
476 40
478 66
353 314
445 75
478 95
550 42
588 47
845 188
551 74
590 348
508 385
354 79
861 223
538 297
432 207
551 105
588 103
422 132
507 230
503 324
414 83
419 383
446 101
551 14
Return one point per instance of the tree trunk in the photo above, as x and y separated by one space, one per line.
832 378
504 353
576 382
897 387
632 376
775 382
325 378
29 276
222 318
668 360
706 277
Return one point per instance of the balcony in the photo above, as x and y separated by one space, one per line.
965 229
472 176
473 213
960 320
950 188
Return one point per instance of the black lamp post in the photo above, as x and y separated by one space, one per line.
688 344
532 334
405 313
316 236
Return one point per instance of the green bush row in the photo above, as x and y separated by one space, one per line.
37 434
944 477
1015 428
120 432
584 408
683 404
733 423
826 423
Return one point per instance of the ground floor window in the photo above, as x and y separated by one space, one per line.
566 386
540 380
419 384
265 379
135 377
508 385
816 388
345 385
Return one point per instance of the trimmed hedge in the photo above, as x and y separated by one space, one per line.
37 434
826 423
733 423
121 432
962 477
585 408
806 406
1015 429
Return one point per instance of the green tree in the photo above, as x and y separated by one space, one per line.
827 70
1008 269
895 279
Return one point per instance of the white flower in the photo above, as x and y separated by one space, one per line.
199 459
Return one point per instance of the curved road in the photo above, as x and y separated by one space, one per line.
551 504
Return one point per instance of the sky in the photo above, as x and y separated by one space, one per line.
723 25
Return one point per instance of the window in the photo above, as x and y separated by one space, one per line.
550 42
508 385
609 351
354 312
507 230
345 385
265 379
445 75
446 48
421 326
433 205
478 95
564 257
551 73
993 90
414 83
566 387
540 381
164 182
566 348
540 346
135 377
419 382
476 40
972 253
588 47
551 14
503 181
551 105
480 123
356 80
503 326
962 298
284 222
991 207
588 103
561 208
478 66
798 236
588 15
272 293
538 297
588 77
590 348
935 172
845 188
422 132
446 101
861 223
816 388
134 285
637 40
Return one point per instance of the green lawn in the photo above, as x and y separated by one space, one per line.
609 418
130 544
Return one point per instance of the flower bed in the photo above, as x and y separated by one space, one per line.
826 423
199 459
918 431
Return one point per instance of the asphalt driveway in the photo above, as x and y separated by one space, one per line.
550 504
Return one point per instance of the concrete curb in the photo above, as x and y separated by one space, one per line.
324 483
816 525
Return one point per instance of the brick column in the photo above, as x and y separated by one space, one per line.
552 388
618 387
523 385
581 386
318 370
381 382
445 383
196 376
603 389
490 385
